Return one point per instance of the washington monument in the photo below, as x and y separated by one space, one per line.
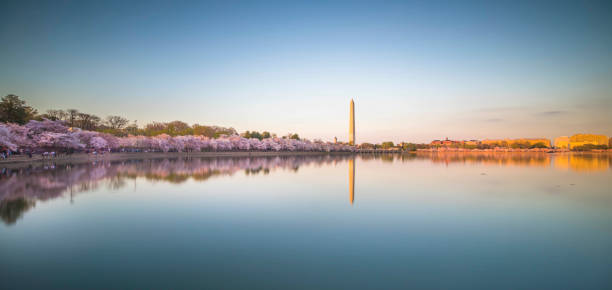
352 124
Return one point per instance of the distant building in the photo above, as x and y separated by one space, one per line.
510 142
448 143
335 140
584 139
562 142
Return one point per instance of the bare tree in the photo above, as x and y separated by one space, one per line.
116 122
72 117
87 121
53 115
62 115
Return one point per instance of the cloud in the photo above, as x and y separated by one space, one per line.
494 120
500 109
551 113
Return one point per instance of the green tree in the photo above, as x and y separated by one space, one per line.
412 146
178 128
203 130
15 110
155 128
589 147
255 134
224 131
538 145
366 146
387 145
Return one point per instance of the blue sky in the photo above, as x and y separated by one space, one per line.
417 70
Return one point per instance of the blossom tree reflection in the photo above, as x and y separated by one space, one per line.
21 188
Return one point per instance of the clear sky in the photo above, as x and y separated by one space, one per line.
417 70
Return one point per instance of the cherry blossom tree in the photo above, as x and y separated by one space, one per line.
98 142
48 134
7 138
53 140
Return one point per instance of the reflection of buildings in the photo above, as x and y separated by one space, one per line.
584 163
352 179
489 158
572 161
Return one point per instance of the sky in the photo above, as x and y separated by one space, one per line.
417 70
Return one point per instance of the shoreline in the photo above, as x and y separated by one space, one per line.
21 160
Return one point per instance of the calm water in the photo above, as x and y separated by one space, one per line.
442 221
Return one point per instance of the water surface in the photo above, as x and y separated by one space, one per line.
426 221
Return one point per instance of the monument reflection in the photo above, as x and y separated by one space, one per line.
351 163
21 188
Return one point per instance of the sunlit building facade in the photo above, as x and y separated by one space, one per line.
510 142
562 142
584 139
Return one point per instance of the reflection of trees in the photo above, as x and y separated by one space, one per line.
576 162
20 188
48 182
489 158
255 171
11 210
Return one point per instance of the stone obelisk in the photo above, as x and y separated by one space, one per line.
352 124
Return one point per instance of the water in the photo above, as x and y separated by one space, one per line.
441 221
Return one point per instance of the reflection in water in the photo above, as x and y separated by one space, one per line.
351 163
21 188
12 210
584 163
577 162
453 221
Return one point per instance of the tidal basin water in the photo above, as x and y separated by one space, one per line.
420 221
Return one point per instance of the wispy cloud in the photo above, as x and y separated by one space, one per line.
500 109
551 113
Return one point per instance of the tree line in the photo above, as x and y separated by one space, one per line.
15 110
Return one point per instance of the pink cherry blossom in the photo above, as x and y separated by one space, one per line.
56 135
